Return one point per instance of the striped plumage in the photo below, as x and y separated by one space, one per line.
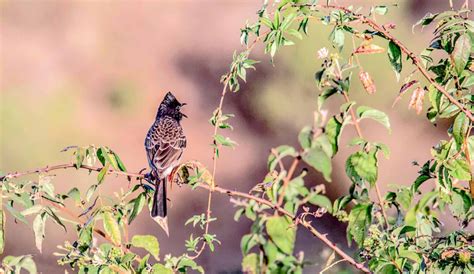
164 144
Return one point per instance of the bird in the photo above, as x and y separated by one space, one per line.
164 144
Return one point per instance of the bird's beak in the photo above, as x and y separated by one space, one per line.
184 115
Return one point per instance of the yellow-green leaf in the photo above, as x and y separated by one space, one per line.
147 242
111 227
282 232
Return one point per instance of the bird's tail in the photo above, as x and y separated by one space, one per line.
159 199
158 209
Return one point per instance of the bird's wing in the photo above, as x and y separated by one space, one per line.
164 145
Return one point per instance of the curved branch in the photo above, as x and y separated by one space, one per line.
416 61
211 188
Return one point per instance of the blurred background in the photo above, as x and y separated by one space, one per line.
94 72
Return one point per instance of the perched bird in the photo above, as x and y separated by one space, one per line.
164 145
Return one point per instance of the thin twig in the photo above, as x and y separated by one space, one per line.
217 189
287 179
416 61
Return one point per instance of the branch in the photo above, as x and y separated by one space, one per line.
359 132
416 61
210 188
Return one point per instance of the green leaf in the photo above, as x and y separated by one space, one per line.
461 203
362 166
80 156
39 227
120 164
320 161
364 112
75 194
281 151
161 269
338 38
404 198
147 242
395 57
111 227
282 232
16 214
102 173
325 94
2 230
359 220
20 262
382 10
461 52
247 242
225 141
250 264
460 128
333 131
320 200
459 169
138 204
410 254
305 137
55 217
187 262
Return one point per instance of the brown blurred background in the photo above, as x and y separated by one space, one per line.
94 72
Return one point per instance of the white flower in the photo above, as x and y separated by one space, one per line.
323 53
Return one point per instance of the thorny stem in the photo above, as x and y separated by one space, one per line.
210 188
216 146
416 61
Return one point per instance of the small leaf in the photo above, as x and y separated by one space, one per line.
75 194
338 38
102 173
416 101
320 161
161 269
250 264
461 52
321 201
333 131
460 128
147 242
382 10
282 232
281 151
225 141
111 227
39 227
120 164
362 166
16 214
395 57
367 82
138 204
367 112
369 49
359 220
460 169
